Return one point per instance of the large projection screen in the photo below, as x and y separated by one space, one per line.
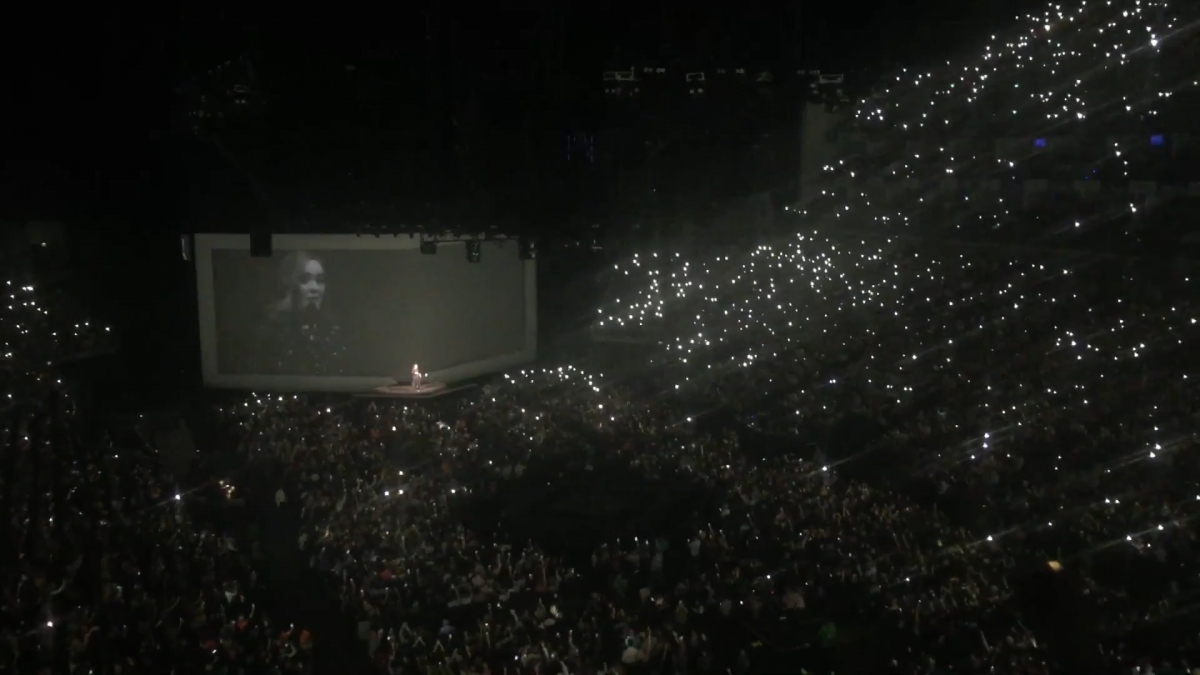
350 313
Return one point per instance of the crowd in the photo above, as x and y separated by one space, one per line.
1033 416
968 458
1031 413
1071 127
43 328
105 570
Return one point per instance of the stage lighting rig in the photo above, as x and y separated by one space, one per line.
473 251
621 82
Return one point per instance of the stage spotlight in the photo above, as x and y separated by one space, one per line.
428 247
473 251
527 249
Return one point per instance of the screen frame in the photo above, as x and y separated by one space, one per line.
206 310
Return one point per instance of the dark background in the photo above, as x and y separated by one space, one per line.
394 307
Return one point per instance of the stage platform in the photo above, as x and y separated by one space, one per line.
427 390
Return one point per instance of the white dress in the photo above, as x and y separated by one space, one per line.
416 378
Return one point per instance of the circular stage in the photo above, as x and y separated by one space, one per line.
427 388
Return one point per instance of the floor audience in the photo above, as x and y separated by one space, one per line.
105 570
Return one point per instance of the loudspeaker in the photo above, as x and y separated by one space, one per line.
260 244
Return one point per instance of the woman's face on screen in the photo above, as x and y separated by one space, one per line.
311 284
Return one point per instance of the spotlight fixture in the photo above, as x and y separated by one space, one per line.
473 251
428 247
526 249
